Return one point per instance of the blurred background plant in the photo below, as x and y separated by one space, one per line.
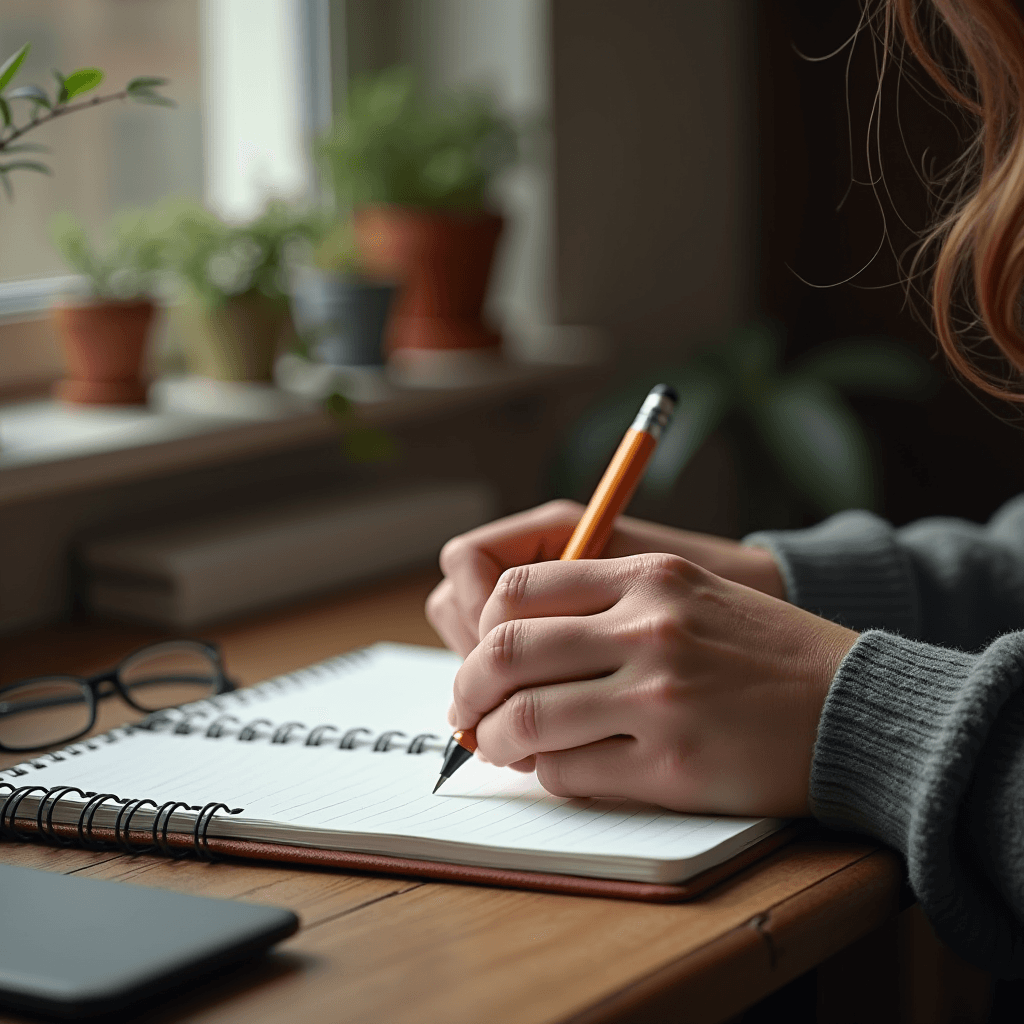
235 275
395 145
127 264
336 250
796 442
44 106
219 260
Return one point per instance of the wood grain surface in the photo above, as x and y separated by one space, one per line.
385 949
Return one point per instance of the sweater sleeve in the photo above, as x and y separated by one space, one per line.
922 747
944 581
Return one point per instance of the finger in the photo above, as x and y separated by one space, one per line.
556 588
531 652
473 561
443 613
559 717
610 767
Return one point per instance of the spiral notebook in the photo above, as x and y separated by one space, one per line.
334 765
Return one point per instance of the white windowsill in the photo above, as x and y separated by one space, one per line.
48 448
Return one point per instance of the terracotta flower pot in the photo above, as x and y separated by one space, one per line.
103 344
237 340
443 264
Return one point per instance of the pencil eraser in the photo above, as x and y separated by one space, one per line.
667 390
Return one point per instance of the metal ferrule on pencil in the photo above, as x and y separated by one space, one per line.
655 413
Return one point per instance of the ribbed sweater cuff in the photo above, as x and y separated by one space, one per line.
899 743
849 569
882 736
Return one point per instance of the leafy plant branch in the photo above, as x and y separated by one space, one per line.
138 90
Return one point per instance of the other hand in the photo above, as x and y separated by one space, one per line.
650 677
472 562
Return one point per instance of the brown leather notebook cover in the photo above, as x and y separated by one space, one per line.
338 860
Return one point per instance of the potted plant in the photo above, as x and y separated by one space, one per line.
416 173
236 274
339 310
104 335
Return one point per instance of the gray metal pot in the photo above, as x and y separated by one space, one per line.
344 317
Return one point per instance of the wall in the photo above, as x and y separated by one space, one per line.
654 168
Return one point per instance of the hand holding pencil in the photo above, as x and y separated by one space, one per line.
591 534
669 671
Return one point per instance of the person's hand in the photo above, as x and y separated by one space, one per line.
652 678
472 562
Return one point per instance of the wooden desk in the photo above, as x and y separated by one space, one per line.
401 950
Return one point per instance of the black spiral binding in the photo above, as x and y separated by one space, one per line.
199 838
161 823
85 820
83 828
123 825
44 825
288 732
192 718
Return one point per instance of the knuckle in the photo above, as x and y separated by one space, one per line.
504 644
453 552
666 631
512 586
663 691
664 570
523 719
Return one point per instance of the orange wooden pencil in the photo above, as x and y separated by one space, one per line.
608 502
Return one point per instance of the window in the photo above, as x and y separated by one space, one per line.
120 155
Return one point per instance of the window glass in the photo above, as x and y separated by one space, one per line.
119 155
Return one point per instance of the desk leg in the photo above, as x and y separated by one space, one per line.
902 974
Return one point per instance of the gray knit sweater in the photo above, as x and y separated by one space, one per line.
921 740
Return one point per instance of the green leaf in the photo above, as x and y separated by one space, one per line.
338 405
818 443
33 93
9 68
24 147
5 112
62 92
82 81
703 402
151 99
26 165
145 83
5 183
753 350
880 367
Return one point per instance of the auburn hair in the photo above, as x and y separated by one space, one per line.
978 243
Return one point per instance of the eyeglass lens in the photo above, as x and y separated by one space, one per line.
41 712
164 675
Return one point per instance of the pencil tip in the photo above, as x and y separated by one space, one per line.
440 782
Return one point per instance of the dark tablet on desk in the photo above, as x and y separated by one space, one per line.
74 947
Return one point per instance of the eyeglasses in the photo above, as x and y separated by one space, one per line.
49 710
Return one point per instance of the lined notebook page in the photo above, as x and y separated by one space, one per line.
381 803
